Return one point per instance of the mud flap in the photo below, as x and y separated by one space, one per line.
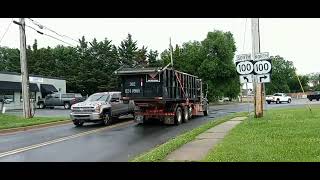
169 120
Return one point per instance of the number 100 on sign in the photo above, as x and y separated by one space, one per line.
244 67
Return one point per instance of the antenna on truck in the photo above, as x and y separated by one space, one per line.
171 63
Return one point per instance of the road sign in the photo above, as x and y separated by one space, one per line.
243 57
244 67
263 78
246 78
261 56
262 67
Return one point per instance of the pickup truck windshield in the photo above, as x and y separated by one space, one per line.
98 97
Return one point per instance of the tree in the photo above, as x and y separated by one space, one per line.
283 77
218 69
152 59
128 51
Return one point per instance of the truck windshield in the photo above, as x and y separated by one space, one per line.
98 97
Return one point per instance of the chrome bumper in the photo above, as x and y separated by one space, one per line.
88 116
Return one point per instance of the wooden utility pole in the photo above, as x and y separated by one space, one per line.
258 88
24 71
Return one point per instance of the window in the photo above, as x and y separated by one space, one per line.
7 95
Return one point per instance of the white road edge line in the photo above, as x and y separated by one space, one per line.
23 149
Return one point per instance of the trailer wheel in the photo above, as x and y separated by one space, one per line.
178 116
190 112
186 114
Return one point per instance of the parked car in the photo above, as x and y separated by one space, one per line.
60 99
314 95
101 107
278 98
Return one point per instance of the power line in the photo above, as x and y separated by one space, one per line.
45 27
42 33
6 30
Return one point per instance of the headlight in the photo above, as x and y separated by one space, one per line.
97 109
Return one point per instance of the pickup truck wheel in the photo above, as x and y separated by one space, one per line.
289 100
66 105
106 120
178 117
77 123
268 102
41 105
278 101
185 114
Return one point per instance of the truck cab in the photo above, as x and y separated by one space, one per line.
101 107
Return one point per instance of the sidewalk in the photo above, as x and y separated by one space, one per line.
197 149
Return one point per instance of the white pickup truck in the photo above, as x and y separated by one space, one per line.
278 98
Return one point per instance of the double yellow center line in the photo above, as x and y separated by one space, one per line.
23 149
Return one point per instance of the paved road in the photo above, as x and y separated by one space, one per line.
93 142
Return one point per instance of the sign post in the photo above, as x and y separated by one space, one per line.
257 71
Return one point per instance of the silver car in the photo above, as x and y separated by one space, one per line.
101 107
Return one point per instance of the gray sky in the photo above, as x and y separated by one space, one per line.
294 39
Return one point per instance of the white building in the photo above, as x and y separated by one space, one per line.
39 86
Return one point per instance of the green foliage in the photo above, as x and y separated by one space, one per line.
284 78
211 60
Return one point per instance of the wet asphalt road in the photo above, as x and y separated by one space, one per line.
94 143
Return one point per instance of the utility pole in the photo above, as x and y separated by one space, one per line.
171 51
24 71
258 88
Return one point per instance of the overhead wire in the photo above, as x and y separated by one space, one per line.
41 26
7 29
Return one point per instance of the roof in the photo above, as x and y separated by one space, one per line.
48 88
123 71
32 75
127 71
16 86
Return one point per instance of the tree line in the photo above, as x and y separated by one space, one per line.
89 67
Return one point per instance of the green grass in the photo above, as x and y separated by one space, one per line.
160 152
282 135
10 121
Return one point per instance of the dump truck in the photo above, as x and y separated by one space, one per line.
166 94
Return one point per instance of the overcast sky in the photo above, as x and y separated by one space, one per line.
296 40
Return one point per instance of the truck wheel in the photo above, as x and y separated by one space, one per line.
205 113
268 102
41 105
66 105
278 101
106 119
289 100
186 114
190 112
178 117
310 99
77 123
317 99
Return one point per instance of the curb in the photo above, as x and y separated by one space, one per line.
25 128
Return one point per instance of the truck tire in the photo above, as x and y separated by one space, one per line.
106 120
190 112
317 99
205 113
289 101
269 102
310 99
41 105
186 114
66 105
178 116
278 101
77 123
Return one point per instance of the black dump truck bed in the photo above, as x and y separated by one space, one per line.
148 84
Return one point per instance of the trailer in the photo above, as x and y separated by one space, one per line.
165 94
